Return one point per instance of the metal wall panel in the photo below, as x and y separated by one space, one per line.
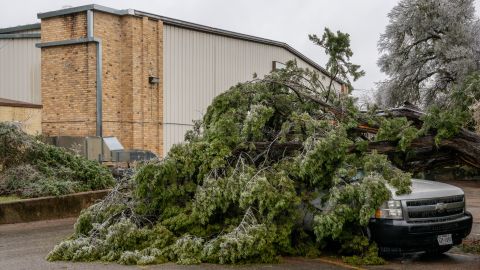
198 66
30 31
20 70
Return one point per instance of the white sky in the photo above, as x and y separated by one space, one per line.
284 20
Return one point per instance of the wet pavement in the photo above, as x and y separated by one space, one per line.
24 247
449 260
472 197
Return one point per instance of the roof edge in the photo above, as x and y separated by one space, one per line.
231 34
20 36
187 25
15 103
24 27
71 10
208 29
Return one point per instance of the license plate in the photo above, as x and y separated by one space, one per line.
445 239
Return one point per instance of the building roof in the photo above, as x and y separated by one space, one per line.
187 25
19 28
19 31
16 103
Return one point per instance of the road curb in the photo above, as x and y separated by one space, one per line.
339 263
46 208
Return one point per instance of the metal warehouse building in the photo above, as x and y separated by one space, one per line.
138 76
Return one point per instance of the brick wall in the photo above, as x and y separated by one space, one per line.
64 27
30 118
132 50
67 78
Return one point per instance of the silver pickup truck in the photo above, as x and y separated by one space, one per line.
431 218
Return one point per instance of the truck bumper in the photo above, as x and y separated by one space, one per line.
401 236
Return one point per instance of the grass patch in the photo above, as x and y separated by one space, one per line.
471 246
5 199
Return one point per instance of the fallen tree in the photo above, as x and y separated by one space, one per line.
426 149
240 189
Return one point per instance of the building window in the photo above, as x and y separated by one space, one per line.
278 65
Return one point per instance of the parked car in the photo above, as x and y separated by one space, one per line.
432 218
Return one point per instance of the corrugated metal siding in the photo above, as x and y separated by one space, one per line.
20 70
198 66
31 31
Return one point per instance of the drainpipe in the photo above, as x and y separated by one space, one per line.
90 39
99 122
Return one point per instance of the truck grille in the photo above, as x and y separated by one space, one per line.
438 209
452 199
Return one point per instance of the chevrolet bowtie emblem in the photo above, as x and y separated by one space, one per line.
440 207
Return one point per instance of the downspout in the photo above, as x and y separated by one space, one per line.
90 38
99 120
99 125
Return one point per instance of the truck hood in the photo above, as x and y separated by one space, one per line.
424 189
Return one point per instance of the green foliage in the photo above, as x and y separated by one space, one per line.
446 123
328 153
337 47
222 197
255 121
368 257
397 129
122 241
352 203
248 242
161 186
459 109
188 250
31 168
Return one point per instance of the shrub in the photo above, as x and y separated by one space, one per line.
30 168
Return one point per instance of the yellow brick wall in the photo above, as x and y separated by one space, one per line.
68 90
132 107
71 26
30 118
132 50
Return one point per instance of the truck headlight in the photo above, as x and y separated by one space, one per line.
390 210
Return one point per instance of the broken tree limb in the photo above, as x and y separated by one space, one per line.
423 152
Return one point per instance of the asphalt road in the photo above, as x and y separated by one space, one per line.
472 197
25 245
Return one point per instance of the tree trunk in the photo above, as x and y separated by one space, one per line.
423 153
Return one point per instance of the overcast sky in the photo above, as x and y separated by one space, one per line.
284 20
